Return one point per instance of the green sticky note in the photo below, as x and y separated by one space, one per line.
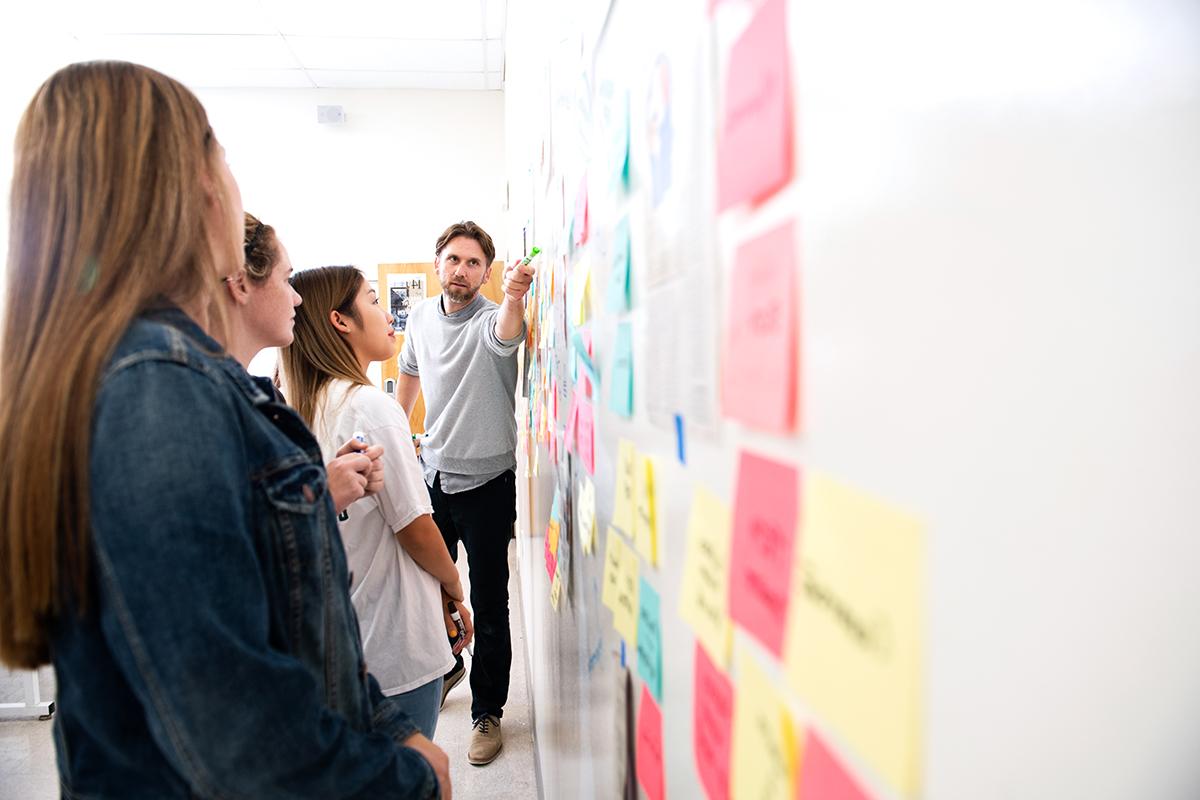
618 281
620 396
649 639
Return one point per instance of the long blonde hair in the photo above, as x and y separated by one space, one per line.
318 354
115 170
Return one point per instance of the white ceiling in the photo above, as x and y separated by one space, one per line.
407 44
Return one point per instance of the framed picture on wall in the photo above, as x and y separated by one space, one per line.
404 290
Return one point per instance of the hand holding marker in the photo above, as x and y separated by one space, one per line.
519 277
359 436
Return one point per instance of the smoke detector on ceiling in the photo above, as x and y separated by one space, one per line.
330 115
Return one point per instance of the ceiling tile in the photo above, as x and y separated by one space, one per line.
495 55
495 81
218 77
495 12
443 19
387 54
89 18
172 54
355 79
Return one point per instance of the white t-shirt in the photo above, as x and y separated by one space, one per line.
399 604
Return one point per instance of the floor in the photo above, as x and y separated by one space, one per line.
27 762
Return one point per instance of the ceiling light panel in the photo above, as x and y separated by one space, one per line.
170 54
396 19
90 18
495 11
387 54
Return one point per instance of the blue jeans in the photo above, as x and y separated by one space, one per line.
422 705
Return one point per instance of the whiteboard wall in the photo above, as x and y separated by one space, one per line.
999 249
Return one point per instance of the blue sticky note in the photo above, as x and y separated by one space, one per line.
649 639
555 512
584 359
680 450
620 396
618 281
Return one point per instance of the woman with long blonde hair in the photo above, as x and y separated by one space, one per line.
166 536
396 552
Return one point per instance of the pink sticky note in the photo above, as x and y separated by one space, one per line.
759 375
712 726
764 535
551 558
572 422
581 213
584 380
650 746
754 153
584 436
822 776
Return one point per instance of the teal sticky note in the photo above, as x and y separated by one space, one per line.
620 395
618 281
581 353
620 142
649 639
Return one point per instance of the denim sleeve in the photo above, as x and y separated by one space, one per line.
183 605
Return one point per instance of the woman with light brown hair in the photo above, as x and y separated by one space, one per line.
166 536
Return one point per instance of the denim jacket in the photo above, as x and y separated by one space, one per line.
219 656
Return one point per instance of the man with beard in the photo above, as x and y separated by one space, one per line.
460 348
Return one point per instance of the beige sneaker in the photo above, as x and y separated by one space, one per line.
485 741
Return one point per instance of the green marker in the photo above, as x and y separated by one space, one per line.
533 251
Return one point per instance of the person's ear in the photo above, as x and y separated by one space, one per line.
238 287
487 273
339 321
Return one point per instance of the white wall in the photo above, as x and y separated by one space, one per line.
379 187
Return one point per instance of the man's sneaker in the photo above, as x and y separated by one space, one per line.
453 678
485 741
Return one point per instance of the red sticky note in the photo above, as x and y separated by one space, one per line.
822 776
759 375
649 747
712 726
586 382
584 434
581 213
764 535
754 153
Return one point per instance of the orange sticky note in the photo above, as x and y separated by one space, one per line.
649 747
822 776
759 376
712 726
754 153
764 535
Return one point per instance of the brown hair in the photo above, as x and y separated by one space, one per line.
261 248
318 354
471 231
115 166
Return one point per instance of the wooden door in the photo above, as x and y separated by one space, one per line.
391 370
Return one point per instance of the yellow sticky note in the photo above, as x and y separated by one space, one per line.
703 598
555 591
764 740
625 500
581 279
854 639
621 586
645 521
585 514
552 534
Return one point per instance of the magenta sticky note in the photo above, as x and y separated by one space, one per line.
754 151
760 364
765 513
712 725
650 747
584 435
822 776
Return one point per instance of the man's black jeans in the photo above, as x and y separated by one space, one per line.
482 518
